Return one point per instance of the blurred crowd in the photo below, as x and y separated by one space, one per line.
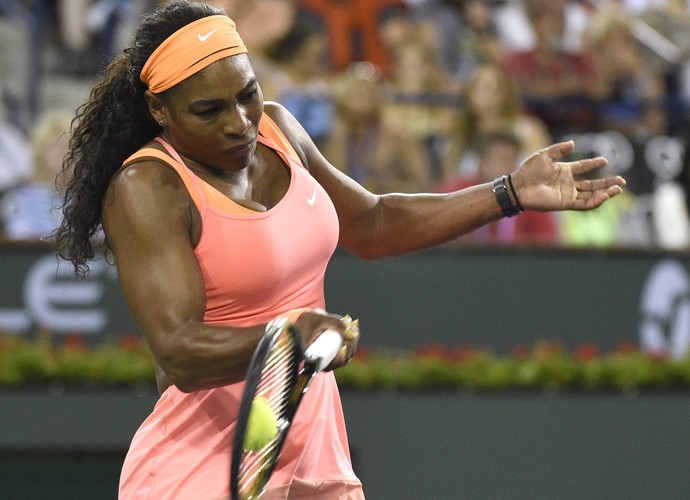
429 95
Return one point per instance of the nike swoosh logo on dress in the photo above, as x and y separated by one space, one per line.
203 38
312 200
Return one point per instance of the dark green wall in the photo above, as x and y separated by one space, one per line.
496 298
449 446
69 445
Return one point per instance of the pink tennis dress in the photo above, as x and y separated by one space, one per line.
256 265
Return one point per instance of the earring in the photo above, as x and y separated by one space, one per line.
161 123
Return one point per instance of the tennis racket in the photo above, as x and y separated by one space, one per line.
275 376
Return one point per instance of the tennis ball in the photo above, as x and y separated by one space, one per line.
262 425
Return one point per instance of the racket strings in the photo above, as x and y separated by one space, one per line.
275 377
273 386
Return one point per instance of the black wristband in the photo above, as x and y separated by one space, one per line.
503 198
512 190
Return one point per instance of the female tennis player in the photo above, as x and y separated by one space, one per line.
221 215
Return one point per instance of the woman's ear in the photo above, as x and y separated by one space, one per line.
157 107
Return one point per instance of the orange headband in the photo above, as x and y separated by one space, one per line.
189 50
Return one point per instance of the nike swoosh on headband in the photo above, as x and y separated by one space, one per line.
203 38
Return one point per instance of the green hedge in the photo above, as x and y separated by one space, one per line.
546 365
72 362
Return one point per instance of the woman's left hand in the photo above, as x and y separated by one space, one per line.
544 183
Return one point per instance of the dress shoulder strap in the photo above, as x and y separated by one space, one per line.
190 181
277 140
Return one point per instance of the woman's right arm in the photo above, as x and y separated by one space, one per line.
150 222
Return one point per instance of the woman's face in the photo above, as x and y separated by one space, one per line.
486 95
213 117
413 67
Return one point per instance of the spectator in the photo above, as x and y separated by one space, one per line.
498 154
671 20
479 39
301 82
30 210
15 157
516 33
465 33
89 32
78 51
554 82
636 100
629 87
420 101
355 142
112 23
353 29
491 104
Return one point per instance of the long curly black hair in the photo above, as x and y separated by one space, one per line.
113 124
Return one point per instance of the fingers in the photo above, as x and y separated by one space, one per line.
588 201
560 149
600 184
591 194
351 328
343 355
351 338
579 167
350 335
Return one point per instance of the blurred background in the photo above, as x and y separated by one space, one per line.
464 90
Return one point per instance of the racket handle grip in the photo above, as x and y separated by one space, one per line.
322 351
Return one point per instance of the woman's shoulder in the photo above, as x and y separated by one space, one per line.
145 194
280 115
289 127
148 171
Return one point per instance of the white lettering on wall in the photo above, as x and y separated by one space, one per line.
55 299
665 310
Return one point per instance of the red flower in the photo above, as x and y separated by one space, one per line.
74 342
462 353
520 352
437 351
587 352
625 346
130 342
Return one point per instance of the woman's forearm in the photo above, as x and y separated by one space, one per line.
407 223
